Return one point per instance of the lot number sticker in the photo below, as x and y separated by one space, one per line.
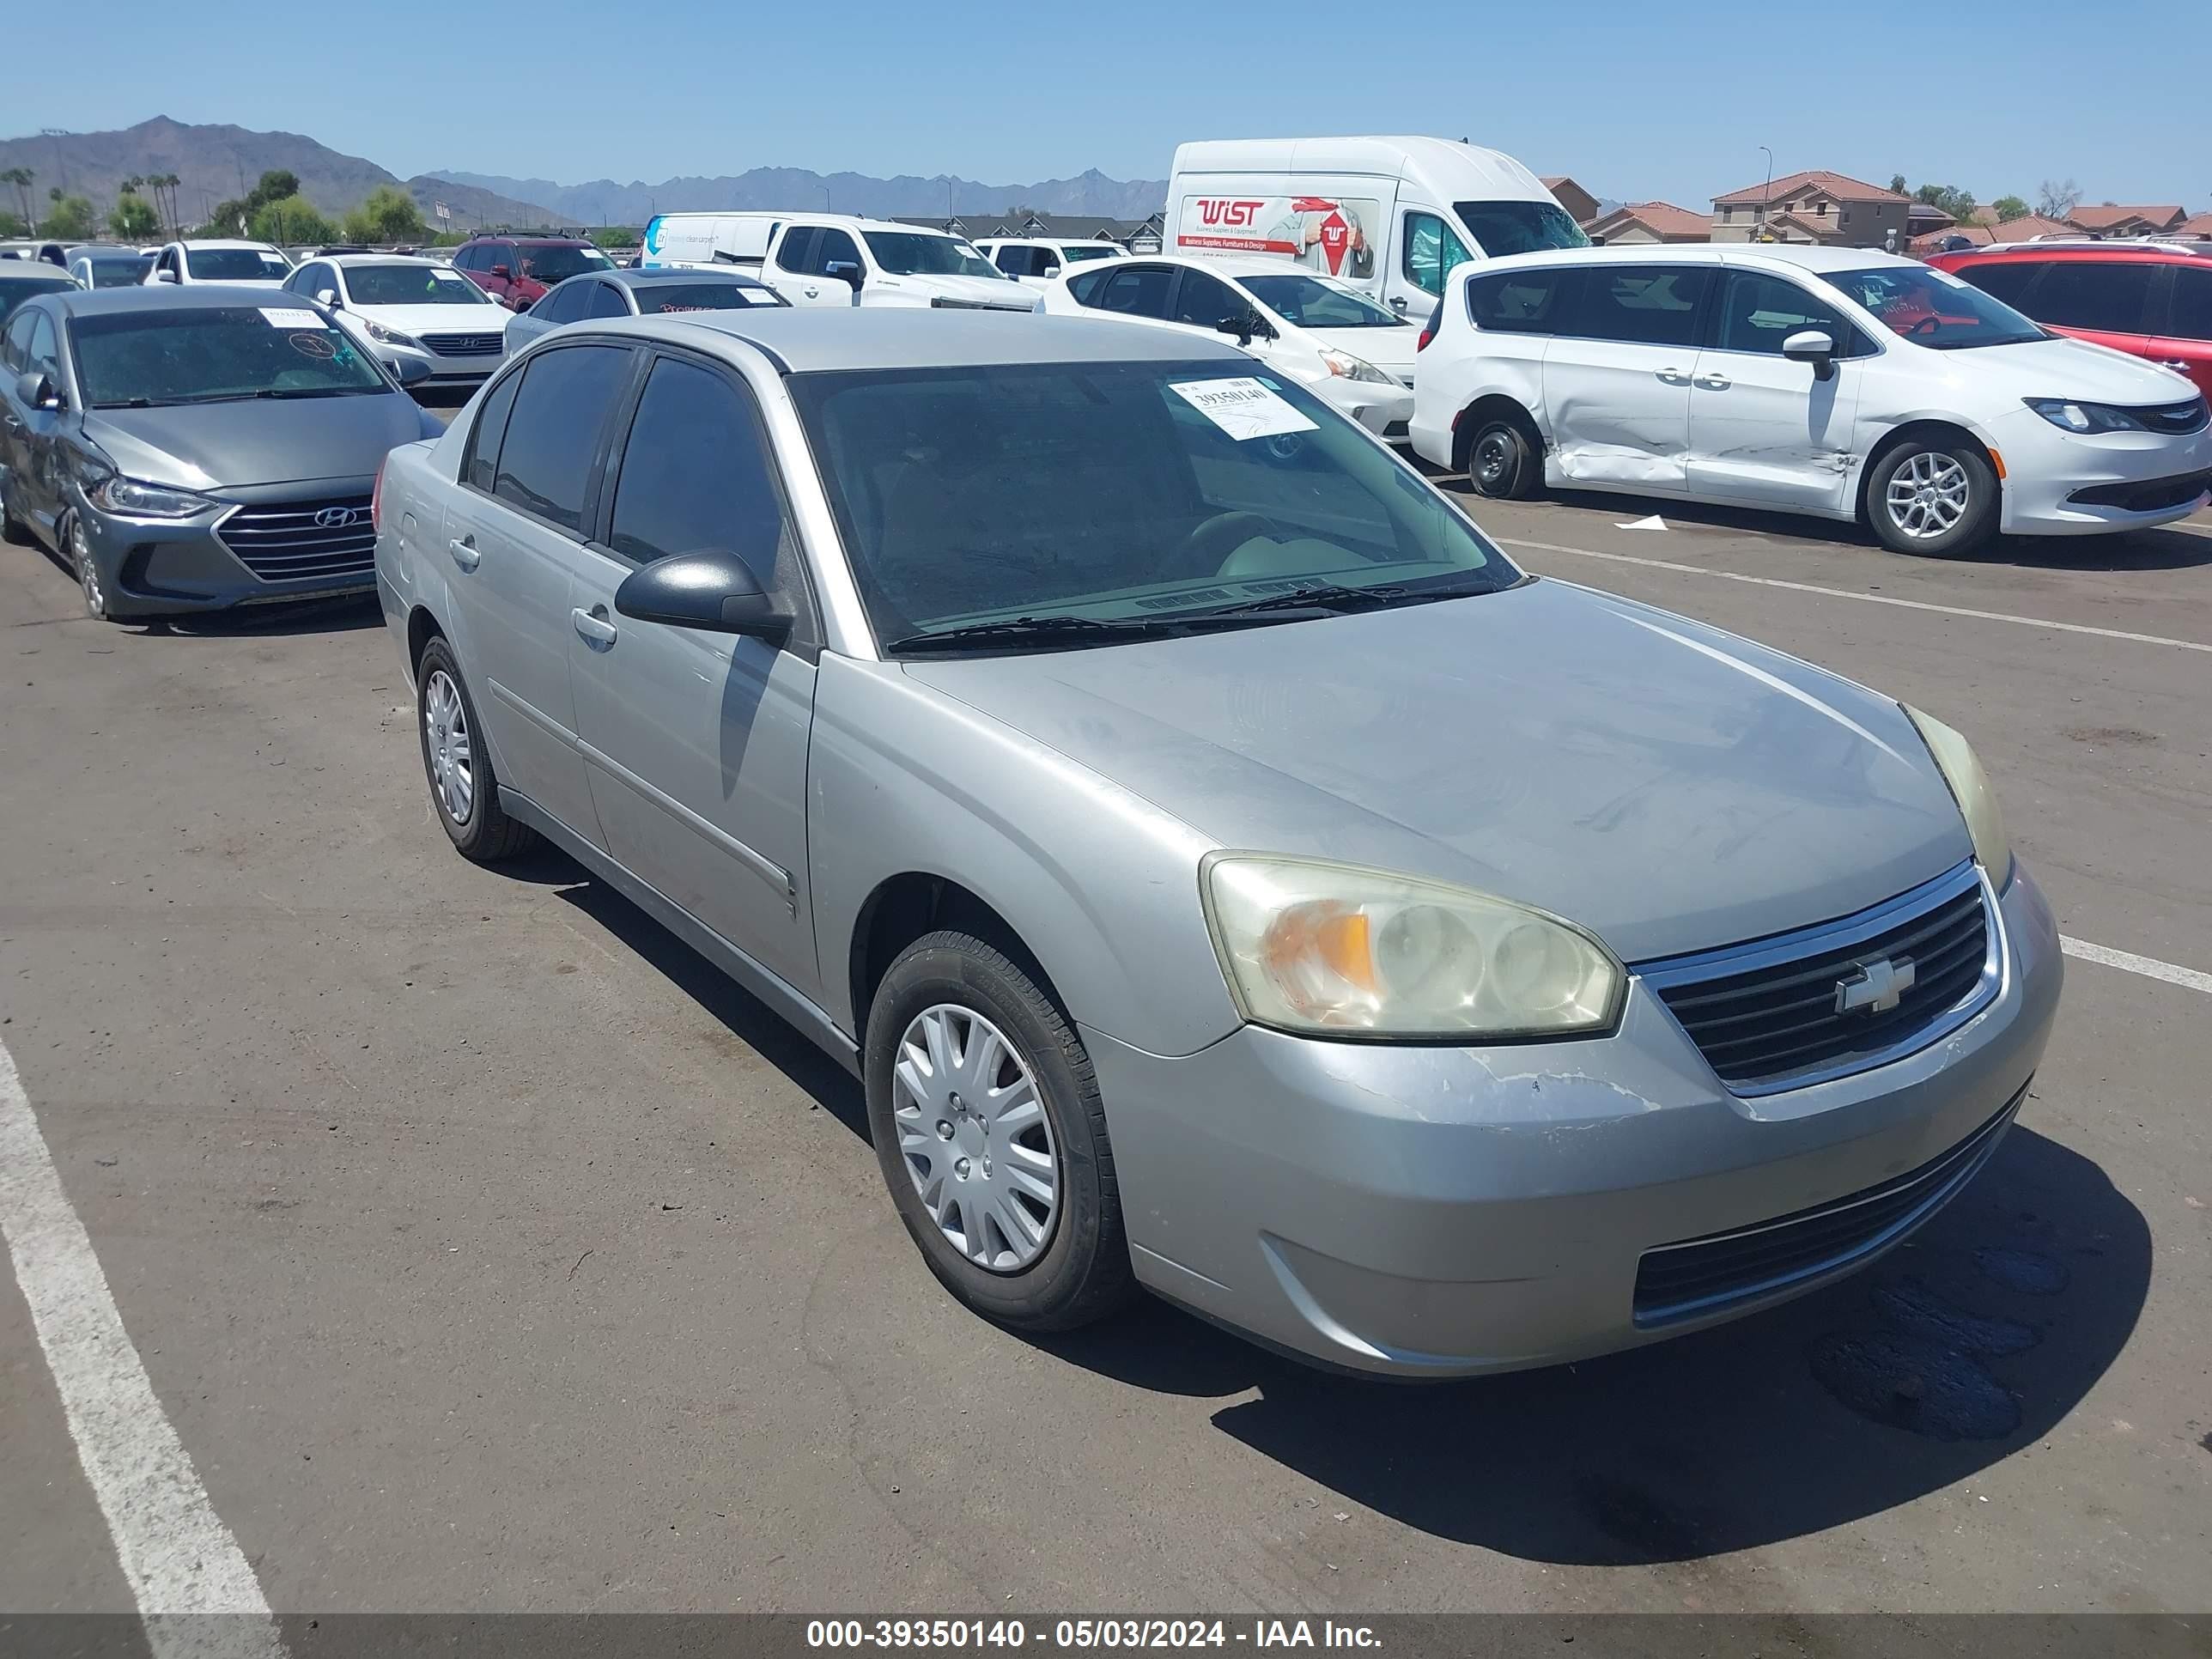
293 318
1242 407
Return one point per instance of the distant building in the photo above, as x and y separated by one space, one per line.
1982 231
2199 227
1827 208
2112 220
1582 207
1137 236
1651 221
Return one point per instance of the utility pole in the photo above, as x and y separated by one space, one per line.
1765 196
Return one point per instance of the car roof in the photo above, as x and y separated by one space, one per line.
854 221
199 296
808 339
2084 247
229 242
538 241
659 274
15 271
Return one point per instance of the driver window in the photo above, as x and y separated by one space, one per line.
835 247
1203 301
1758 312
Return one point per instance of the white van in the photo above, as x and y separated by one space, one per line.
677 240
1392 215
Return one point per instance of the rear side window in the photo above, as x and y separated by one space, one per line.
545 460
2192 303
1088 286
606 300
483 463
2111 299
2008 279
1142 292
1640 304
1521 301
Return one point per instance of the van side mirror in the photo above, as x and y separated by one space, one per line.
844 270
1814 346
712 589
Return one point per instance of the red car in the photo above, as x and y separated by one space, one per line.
2147 298
516 270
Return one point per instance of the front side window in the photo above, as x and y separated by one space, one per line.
2091 294
16 345
1310 302
201 354
835 248
1523 301
236 265
397 284
558 263
1758 312
46 357
1077 253
545 460
1205 301
121 270
1139 497
1013 259
2192 303
1139 291
1503 227
919 253
1932 307
1432 248
1640 304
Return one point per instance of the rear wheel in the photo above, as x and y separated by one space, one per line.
1933 496
463 788
1501 461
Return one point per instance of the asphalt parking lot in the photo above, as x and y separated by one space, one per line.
486 1251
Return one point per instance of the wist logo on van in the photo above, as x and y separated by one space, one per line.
1226 211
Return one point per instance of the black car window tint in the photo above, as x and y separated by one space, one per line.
553 432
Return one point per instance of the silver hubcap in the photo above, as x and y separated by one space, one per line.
975 1138
453 767
1928 495
87 573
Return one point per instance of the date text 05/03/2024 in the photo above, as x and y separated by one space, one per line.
1084 1633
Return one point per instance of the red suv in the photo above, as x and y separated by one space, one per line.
2150 299
516 270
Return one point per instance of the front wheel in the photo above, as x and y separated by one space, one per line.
988 1126
12 529
1935 496
87 570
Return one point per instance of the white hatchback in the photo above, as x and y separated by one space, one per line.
1320 331
1836 382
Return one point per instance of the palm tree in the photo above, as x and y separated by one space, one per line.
21 177
168 181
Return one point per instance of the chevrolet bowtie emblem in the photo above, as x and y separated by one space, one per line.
1874 987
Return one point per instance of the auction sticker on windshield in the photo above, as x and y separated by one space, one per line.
1242 407
280 318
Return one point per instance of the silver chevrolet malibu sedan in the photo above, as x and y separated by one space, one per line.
1227 871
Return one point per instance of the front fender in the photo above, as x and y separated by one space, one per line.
1101 886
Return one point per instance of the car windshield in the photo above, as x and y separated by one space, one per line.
399 285
1311 303
198 355
655 298
1076 253
1503 227
549 265
15 289
1100 499
119 270
1932 307
236 265
918 253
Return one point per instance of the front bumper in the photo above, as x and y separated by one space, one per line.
1437 1211
1375 405
177 567
441 370
2048 472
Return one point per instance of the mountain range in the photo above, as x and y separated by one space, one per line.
217 163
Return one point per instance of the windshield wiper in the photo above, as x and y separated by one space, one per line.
1038 628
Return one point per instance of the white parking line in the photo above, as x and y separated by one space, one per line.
181 1561
2149 967
1866 599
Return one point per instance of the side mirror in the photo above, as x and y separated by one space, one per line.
712 589
410 371
36 390
329 296
165 275
1244 326
1814 346
844 270
501 270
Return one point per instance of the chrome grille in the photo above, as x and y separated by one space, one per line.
1774 1013
465 345
282 542
1702 1275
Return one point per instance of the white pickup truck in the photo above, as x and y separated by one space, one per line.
835 259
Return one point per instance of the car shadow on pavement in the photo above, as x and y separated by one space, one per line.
340 616
1954 1352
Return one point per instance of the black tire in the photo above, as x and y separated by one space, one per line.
1502 460
485 835
1083 1273
13 530
1894 524
97 604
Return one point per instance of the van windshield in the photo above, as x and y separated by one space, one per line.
1503 227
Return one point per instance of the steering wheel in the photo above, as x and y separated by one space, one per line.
1926 325
1202 552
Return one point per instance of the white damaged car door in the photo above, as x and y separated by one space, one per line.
1763 429
1617 378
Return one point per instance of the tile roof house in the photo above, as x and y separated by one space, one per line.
1651 221
1827 208
1582 207
2200 227
2110 219
1980 231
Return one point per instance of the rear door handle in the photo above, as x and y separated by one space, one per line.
1673 377
594 625
813 293
1397 302
1714 382
463 550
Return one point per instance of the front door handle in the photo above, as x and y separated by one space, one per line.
1397 302
1714 382
463 550
2175 364
594 625
1674 376
813 293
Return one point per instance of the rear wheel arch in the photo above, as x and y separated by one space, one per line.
422 629
1489 406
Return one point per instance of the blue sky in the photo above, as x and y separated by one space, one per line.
1637 101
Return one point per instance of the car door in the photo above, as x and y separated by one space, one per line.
15 415
1763 429
1202 301
1138 291
515 533
2105 301
1617 377
2186 343
1428 249
794 271
34 435
695 742
563 304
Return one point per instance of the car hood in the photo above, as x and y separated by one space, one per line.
238 445
2064 367
976 290
438 319
1666 785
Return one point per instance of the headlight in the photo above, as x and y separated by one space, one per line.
2072 415
143 501
391 337
1337 949
1353 369
1970 787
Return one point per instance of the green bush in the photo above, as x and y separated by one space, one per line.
292 219
388 215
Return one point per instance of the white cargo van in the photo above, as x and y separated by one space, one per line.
708 239
1392 215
